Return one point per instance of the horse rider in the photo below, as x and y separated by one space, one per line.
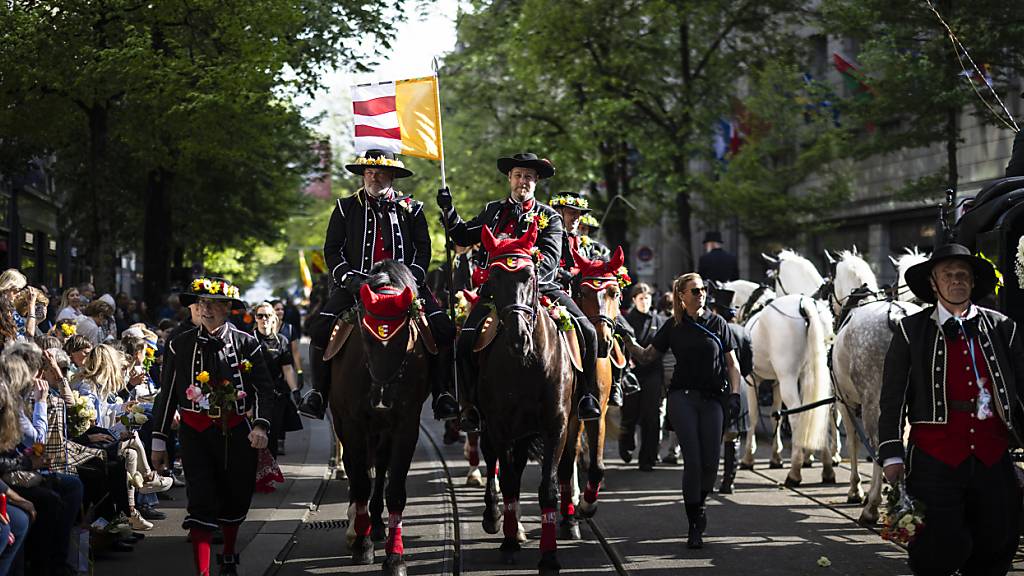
952 371
220 432
376 223
511 217
589 246
717 264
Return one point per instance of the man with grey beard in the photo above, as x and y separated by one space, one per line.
374 224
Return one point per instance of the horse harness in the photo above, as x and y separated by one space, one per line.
517 308
750 307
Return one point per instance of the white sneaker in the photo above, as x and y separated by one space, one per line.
157 484
137 522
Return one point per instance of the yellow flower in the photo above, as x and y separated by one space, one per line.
542 221
69 330
149 352
246 366
203 377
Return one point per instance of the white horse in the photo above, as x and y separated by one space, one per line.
742 290
795 274
852 272
789 340
905 261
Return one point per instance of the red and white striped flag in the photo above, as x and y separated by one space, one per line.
402 117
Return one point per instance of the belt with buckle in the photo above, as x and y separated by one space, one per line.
962 405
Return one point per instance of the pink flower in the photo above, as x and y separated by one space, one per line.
241 394
194 393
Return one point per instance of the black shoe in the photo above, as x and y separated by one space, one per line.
725 488
615 395
470 421
588 408
228 564
150 513
445 407
625 454
122 546
646 467
670 459
312 406
695 516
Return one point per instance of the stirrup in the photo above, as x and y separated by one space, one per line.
315 412
467 422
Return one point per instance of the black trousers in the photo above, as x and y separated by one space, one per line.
106 487
220 475
643 409
971 516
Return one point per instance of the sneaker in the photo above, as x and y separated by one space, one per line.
137 522
151 513
157 484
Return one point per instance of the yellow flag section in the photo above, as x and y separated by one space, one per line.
307 278
419 117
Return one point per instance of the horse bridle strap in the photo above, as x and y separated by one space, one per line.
401 367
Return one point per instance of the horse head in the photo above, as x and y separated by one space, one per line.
600 296
512 279
851 273
796 275
902 264
387 331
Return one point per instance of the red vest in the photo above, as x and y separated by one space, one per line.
963 435
200 422
509 229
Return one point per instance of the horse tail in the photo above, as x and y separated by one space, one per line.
812 429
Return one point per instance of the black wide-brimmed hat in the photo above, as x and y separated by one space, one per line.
379 159
712 236
213 288
918 276
543 166
570 200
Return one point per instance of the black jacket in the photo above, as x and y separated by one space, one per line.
195 351
549 238
914 377
352 233
718 265
645 326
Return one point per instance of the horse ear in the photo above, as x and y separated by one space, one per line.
618 259
582 262
405 298
770 261
531 234
895 262
368 296
487 239
830 258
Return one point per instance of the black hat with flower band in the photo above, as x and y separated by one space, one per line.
379 159
211 288
590 221
570 200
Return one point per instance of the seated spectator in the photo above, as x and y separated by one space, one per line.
70 305
95 317
78 348
15 511
64 329
12 283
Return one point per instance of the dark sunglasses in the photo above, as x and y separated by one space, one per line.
263 316
698 291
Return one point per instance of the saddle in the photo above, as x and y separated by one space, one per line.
339 335
489 329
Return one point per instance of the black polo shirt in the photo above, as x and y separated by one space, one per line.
699 363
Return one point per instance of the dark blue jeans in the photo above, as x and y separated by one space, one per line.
19 527
58 501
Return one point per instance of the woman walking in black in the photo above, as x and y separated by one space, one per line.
704 387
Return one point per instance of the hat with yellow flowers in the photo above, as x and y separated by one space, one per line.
212 288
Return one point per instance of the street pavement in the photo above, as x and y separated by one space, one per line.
640 527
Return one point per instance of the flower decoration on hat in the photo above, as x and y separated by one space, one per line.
589 220
380 161
214 287
567 201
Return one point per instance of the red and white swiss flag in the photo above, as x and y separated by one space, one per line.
401 117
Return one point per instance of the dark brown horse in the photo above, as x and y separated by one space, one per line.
379 384
599 297
525 392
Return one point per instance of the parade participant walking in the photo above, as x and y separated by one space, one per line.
709 377
716 264
376 223
281 366
952 371
643 409
214 375
511 218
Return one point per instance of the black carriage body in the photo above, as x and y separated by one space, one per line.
991 227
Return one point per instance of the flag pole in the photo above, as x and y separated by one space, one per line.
448 245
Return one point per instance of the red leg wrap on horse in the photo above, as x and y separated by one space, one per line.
362 526
510 522
230 537
568 509
474 457
394 545
547 530
590 494
201 550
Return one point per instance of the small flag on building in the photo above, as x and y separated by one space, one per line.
401 117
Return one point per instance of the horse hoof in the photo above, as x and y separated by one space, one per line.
586 509
474 479
828 480
569 529
362 551
791 483
491 523
378 532
867 521
854 499
548 565
394 565
775 465
339 474
508 550
745 466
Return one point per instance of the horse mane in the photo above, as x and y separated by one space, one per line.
855 271
391 273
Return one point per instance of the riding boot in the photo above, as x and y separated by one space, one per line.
729 464
695 516
589 408
228 564
469 420
615 395
445 406
314 404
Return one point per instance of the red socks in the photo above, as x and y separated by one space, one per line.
201 549
394 544
362 525
547 530
230 538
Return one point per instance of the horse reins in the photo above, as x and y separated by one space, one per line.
517 308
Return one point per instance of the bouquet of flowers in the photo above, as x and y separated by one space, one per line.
558 313
904 516
81 415
216 396
134 415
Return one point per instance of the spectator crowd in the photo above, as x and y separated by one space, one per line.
78 377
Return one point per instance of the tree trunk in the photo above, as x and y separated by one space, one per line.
100 248
156 239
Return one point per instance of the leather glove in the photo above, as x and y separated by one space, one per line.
353 281
444 199
734 407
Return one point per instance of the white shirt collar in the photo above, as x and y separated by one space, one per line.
944 314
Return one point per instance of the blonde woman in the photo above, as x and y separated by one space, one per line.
12 325
281 365
70 305
102 376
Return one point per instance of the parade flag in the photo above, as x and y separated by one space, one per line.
307 279
402 116
854 79
317 262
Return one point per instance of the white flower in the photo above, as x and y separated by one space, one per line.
824 562
1018 264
